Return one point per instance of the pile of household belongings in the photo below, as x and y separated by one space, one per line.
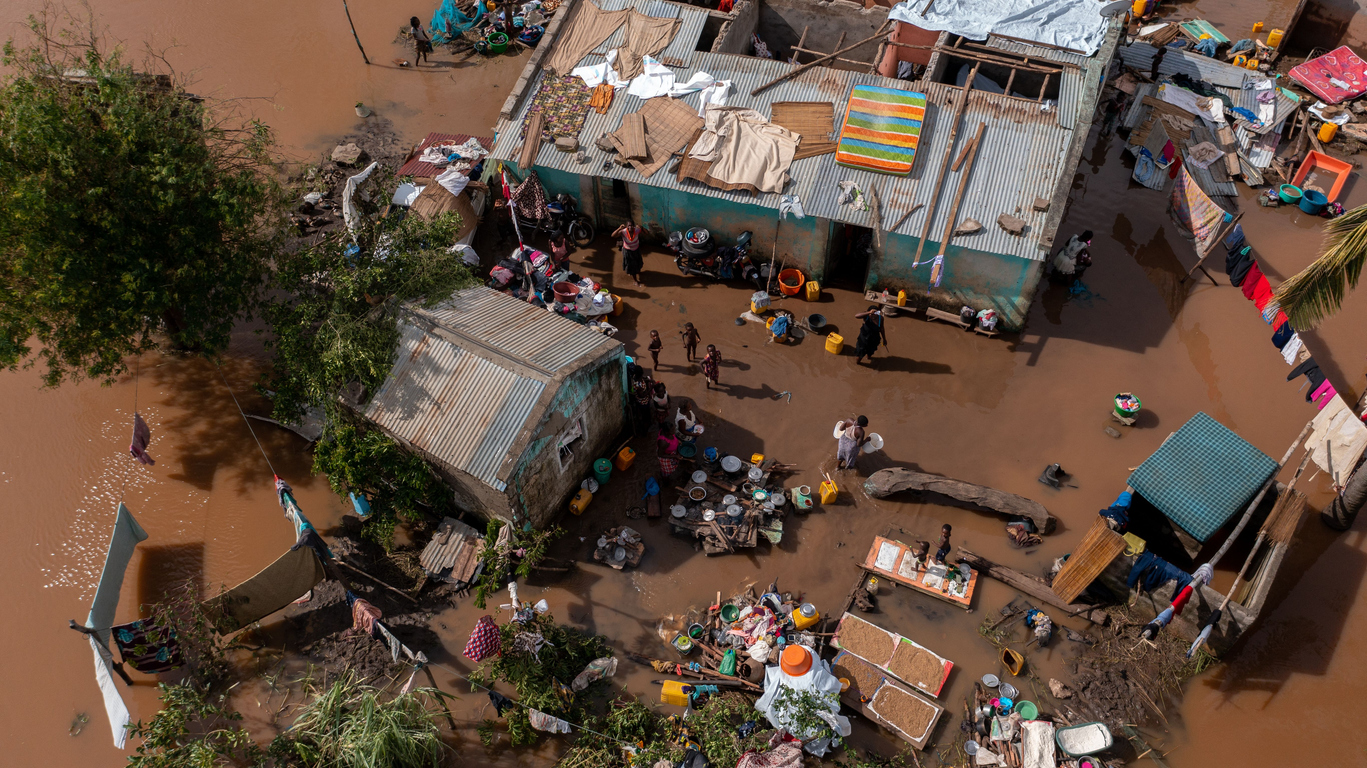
453 554
1224 127
761 625
799 672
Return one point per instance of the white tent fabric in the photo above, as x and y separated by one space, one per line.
1075 24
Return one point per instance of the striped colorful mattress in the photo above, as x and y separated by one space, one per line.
881 130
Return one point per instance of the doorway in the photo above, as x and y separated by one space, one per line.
847 261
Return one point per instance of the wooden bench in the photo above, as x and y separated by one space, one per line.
930 312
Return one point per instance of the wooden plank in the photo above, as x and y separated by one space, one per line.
1033 586
1099 547
531 142
948 317
900 570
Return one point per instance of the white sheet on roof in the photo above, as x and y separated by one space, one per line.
1075 24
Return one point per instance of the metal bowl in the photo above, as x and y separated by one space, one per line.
697 493
709 515
990 680
734 510
728 499
619 554
700 477
678 510
1007 691
756 474
730 464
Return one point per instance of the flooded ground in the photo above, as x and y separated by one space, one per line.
989 411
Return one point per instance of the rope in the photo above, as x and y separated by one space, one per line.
245 420
524 706
137 375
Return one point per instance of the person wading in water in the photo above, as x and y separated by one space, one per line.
422 42
870 333
852 438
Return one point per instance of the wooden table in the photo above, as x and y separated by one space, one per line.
925 580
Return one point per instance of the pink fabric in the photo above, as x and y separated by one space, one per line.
363 616
1325 390
141 437
1339 64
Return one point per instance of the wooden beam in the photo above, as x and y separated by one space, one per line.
1044 86
840 59
972 151
944 165
1033 586
1027 59
790 75
801 41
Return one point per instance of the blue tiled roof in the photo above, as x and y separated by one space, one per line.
1202 476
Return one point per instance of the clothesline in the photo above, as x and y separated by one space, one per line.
245 420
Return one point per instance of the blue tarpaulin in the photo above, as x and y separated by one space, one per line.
1202 476
449 23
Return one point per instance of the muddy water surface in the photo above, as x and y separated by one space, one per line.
991 411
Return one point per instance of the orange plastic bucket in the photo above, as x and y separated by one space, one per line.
790 282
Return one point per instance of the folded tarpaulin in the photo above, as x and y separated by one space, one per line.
279 584
1077 25
125 538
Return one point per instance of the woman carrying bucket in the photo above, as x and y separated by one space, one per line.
870 333
852 438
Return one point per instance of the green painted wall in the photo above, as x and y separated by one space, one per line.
976 278
803 241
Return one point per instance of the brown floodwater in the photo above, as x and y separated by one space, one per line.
990 411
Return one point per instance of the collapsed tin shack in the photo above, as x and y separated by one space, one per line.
510 403
1036 103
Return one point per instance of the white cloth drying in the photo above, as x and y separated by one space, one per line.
453 180
1292 348
601 73
658 80
790 204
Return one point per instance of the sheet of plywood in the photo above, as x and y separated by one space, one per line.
1098 548
893 560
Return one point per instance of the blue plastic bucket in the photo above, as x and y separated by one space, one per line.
1313 201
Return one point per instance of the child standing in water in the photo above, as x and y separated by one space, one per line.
655 346
691 337
711 363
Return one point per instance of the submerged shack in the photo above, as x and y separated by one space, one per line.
1035 103
510 403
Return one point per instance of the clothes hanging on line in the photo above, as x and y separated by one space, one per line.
1282 335
1237 264
114 708
1250 281
142 435
501 703
147 647
363 614
1150 572
544 722
484 640
276 586
1292 348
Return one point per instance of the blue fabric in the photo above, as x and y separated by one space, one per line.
1282 335
1243 45
448 22
1247 115
1207 47
1151 572
1120 510
1202 476
780 325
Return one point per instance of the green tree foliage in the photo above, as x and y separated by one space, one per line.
193 729
127 208
512 560
1318 291
336 324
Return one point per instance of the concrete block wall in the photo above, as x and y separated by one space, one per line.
734 36
538 488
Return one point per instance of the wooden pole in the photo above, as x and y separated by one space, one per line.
963 184
1033 586
905 216
353 32
118 668
761 89
1248 513
944 164
395 590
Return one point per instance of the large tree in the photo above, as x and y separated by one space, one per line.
128 209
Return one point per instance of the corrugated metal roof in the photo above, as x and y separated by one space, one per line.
1139 56
530 335
460 408
1022 144
465 387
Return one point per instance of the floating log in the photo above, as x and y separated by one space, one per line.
886 482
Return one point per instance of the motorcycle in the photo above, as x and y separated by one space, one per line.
696 253
565 217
